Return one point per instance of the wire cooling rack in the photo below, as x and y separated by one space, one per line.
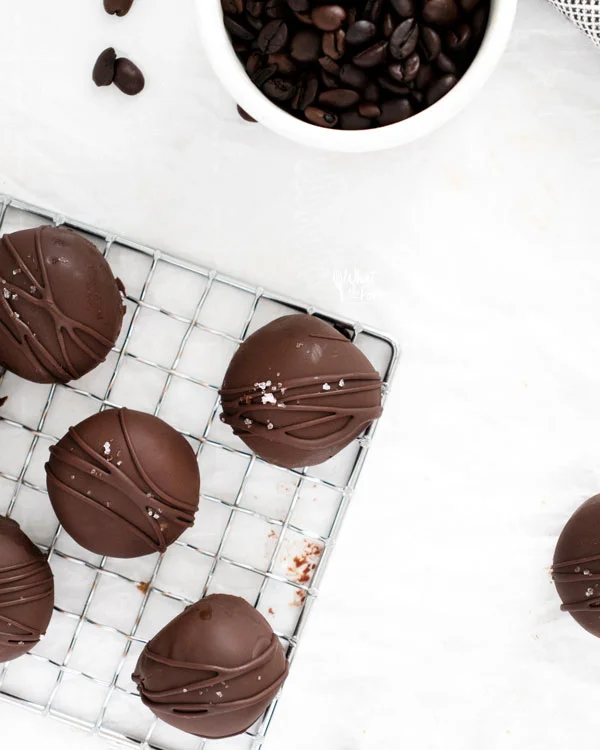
261 532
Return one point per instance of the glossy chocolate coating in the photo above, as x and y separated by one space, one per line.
60 305
576 566
124 483
298 391
26 592
214 669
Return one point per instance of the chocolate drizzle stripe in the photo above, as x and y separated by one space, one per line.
36 575
244 403
220 675
104 471
34 350
579 561
583 606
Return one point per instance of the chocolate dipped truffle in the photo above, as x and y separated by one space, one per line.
576 566
60 305
26 592
124 483
298 391
213 670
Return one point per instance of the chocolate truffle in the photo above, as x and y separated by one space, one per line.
576 567
60 305
298 391
26 592
213 670
124 483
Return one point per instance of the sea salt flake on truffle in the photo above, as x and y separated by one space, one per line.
269 398
107 448
219 694
589 592
248 422
6 293
326 387
342 383
269 425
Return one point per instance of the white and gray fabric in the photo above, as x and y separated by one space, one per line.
584 13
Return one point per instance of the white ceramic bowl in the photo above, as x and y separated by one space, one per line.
235 79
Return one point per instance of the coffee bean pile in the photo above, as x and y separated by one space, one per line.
355 64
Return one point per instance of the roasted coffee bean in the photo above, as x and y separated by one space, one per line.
334 44
371 92
279 89
128 77
388 25
425 77
328 17
244 115
254 23
440 88
373 10
299 6
392 86
395 110
304 18
285 65
329 65
372 56
361 32
440 12
412 66
274 9
404 8
262 75
273 37
369 109
237 30
254 7
306 46
353 76
445 63
480 21
104 69
459 38
234 7
354 121
468 5
329 81
404 40
253 63
339 98
396 71
431 42
118 7
306 93
320 117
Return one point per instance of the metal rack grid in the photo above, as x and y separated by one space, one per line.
340 483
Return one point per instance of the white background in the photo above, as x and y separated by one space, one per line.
438 626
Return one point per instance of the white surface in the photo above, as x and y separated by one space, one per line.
226 65
482 242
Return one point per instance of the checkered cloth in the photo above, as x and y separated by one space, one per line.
584 13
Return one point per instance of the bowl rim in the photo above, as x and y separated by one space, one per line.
233 76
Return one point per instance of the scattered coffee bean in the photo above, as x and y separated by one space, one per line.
351 64
104 69
244 115
118 7
128 77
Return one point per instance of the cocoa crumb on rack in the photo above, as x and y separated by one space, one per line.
143 587
303 565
